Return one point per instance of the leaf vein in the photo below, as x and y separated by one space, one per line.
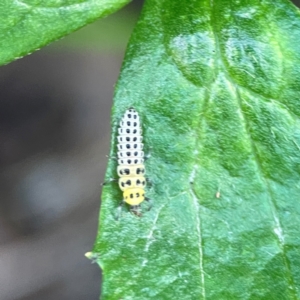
150 238
278 227
278 231
266 98
198 227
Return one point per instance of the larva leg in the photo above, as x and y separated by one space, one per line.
109 181
119 210
150 203
112 157
136 209
148 155
149 182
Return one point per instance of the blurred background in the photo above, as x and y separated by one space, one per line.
54 135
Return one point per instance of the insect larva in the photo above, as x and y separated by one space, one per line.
131 169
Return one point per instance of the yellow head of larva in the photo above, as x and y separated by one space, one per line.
134 196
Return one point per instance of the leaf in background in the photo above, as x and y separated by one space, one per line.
217 86
28 25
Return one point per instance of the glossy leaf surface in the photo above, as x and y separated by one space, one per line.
217 86
28 25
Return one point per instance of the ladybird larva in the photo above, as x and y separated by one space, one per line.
131 169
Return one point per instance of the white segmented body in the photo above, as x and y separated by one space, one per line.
131 167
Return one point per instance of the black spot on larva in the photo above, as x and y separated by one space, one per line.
127 138
128 123
135 123
128 153
129 161
143 171
127 171
143 182
131 196
135 146
138 181
135 139
120 146
135 153
120 139
135 116
128 146
137 194
122 184
128 182
129 115
135 161
138 171
134 131
127 130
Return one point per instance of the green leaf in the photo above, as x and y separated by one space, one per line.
27 25
217 86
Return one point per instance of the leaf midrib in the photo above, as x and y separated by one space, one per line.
255 154
218 66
